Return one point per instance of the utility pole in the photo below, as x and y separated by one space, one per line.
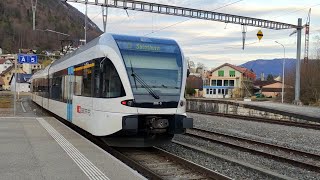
307 36
283 65
298 64
34 8
105 16
85 25
15 86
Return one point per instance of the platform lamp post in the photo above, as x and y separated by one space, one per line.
283 64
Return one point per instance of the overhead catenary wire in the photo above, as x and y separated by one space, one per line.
229 4
301 9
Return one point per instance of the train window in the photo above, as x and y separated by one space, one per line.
77 84
83 79
97 78
56 89
110 85
87 79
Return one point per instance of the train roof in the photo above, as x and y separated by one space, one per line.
104 38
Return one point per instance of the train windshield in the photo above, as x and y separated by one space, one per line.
153 69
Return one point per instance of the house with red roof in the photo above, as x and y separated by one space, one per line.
5 64
229 81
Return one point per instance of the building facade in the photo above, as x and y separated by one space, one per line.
5 64
22 84
271 88
229 81
7 74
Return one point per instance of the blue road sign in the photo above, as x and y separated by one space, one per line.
28 58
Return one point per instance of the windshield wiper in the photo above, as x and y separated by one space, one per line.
143 83
133 75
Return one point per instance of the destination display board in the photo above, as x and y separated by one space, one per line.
148 47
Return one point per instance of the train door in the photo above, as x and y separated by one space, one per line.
69 91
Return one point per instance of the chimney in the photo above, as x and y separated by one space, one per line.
262 76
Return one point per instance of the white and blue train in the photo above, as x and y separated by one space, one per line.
127 90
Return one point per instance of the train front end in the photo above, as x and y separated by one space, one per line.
157 74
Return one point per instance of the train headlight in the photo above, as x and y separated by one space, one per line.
182 103
128 103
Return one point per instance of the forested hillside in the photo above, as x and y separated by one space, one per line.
16 25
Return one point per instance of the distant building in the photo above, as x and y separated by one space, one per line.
229 81
23 83
7 74
31 68
269 88
5 64
1 83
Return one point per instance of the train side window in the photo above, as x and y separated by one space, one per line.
77 83
56 89
110 85
87 79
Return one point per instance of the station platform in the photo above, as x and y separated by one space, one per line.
306 113
44 148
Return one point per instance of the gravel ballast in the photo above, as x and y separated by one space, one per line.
224 167
288 136
256 160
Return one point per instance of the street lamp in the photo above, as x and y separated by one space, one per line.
283 63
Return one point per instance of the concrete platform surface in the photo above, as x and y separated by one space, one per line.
302 110
43 148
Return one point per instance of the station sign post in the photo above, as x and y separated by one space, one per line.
22 59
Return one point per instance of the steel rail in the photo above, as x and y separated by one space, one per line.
171 160
239 141
234 161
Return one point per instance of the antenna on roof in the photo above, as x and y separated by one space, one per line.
34 8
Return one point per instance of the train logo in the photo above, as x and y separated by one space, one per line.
81 110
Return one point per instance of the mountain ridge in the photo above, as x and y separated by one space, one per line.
269 66
16 25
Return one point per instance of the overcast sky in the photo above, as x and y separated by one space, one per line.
214 43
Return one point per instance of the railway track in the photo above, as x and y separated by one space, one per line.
153 163
166 165
294 157
265 120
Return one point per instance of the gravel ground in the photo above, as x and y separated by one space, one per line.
224 167
288 136
259 161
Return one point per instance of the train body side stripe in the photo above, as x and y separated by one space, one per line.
69 91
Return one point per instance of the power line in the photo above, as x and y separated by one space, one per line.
134 16
190 19
306 7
